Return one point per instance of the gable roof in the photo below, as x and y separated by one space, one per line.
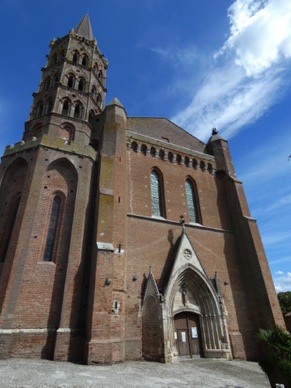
162 129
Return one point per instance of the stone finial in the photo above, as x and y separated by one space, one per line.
182 221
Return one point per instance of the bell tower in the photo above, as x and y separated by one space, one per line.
72 87
46 195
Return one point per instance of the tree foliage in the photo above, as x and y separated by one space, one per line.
285 301
278 353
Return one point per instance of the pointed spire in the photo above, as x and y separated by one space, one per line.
115 101
84 28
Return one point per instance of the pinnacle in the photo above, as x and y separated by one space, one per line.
115 101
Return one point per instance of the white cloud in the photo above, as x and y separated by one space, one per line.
178 55
249 73
260 33
279 272
228 100
282 281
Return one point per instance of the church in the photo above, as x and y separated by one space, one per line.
123 238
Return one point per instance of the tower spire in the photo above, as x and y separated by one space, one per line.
84 28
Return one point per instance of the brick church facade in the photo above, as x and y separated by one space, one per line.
123 237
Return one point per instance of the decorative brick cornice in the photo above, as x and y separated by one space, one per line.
172 153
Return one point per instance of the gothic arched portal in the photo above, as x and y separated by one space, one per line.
190 308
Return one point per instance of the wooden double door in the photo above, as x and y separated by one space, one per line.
187 334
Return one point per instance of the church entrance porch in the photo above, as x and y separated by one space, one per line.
187 334
184 317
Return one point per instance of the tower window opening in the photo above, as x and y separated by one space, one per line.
52 230
85 60
71 81
66 108
78 111
76 57
81 85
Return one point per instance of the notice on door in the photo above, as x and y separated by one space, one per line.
183 335
194 332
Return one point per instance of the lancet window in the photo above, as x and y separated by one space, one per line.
192 201
157 195
50 247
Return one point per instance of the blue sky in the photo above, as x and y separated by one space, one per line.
224 64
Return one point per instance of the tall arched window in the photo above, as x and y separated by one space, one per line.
78 111
52 230
192 202
66 108
157 195
75 57
71 81
81 85
85 60
9 227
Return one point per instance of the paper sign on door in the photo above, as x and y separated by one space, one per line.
183 335
194 332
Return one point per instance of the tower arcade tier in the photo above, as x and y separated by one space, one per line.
72 87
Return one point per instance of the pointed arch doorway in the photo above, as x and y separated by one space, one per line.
190 317
188 334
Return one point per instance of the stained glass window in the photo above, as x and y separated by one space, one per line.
156 194
191 201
